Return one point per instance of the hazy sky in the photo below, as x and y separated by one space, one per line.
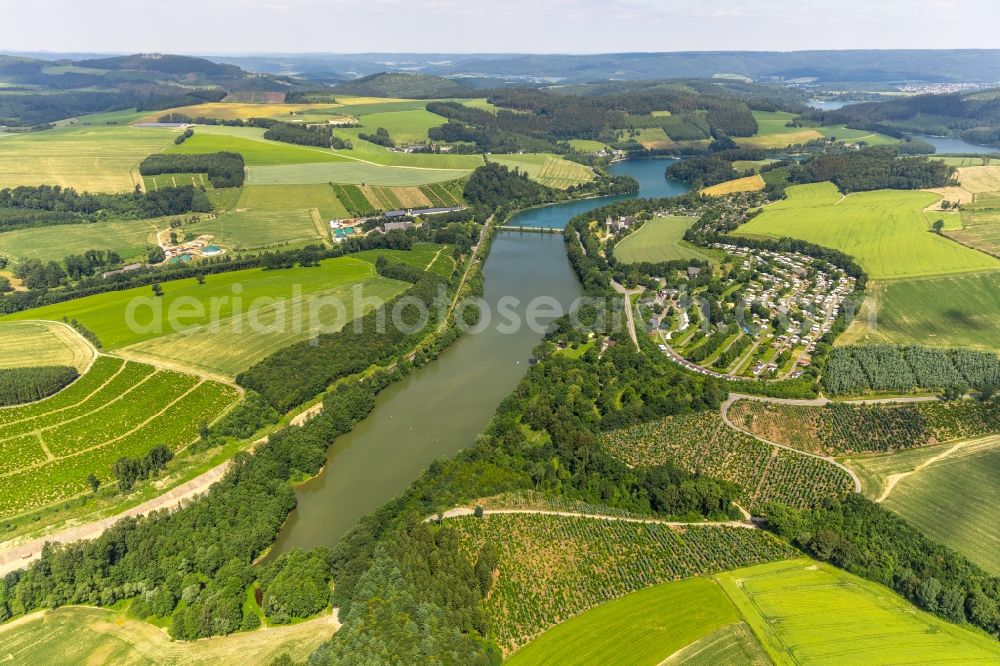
537 26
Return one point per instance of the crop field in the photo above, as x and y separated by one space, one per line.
978 179
748 184
444 195
394 198
234 344
554 567
349 172
549 170
775 122
152 183
256 150
425 256
926 312
980 229
703 443
733 645
781 140
640 628
242 110
117 409
255 229
366 151
284 197
92 158
964 161
659 239
84 635
129 239
808 612
586 145
885 230
353 199
27 343
842 428
106 314
949 492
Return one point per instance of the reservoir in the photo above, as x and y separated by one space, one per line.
439 409
951 144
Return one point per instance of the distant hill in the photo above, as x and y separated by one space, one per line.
399 84
163 63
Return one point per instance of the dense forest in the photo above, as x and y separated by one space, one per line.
224 169
495 185
20 385
855 370
875 168
45 205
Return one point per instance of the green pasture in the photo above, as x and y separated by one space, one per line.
640 628
97 158
659 239
804 611
950 493
951 311
885 230
774 122
256 150
376 154
404 126
260 228
548 169
586 145
107 314
129 239
162 180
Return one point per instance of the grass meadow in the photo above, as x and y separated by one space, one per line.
351 172
105 314
129 239
659 239
885 230
980 229
25 343
88 158
404 126
804 611
549 170
951 311
950 493
640 628
83 635
250 142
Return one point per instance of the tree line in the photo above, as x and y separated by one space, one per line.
224 169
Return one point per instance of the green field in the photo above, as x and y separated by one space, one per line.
83 635
129 239
927 312
885 230
586 145
106 314
350 172
26 343
775 122
950 493
404 126
806 612
240 341
91 158
659 239
549 170
270 215
733 645
250 142
159 181
117 409
979 229
640 628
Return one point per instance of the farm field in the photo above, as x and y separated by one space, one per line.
703 443
240 341
659 239
404 126
949 492
159 181
980 229
804 611
242 110
885 230
42 343
549 170
425 256
748 184
977 179
283 197
88 158
348 171
554 567
105 314
926 312
117 409
586 145
365 151
256 150
129 239
84 635
733 645
639 628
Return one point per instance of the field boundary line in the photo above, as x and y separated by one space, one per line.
893 480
